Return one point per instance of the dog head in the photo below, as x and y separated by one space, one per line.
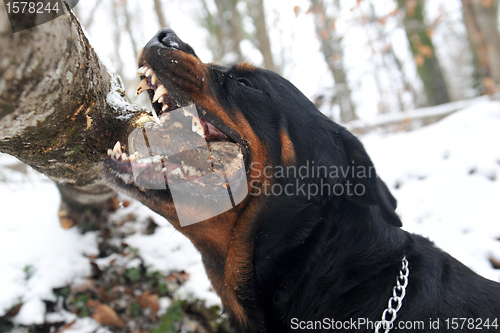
233 143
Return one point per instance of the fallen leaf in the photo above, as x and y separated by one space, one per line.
107 316
147 300
179 277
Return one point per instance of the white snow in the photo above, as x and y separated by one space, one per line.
36 254
449 189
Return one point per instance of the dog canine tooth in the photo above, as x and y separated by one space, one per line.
117 148
159 92
142 87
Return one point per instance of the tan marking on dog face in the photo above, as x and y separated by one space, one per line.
287 150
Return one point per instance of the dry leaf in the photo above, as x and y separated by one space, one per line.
179 277
106 315
114 204
147 300
64 220
296 10
65 327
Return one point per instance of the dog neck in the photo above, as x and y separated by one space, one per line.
338 256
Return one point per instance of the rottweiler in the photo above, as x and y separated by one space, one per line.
309 240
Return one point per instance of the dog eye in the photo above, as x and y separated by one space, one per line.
244 82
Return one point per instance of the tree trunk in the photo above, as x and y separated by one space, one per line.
258 15
333 54
159 14
419 37
481 21
60 110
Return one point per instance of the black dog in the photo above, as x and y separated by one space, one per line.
315 245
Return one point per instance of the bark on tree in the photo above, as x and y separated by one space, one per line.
262 41
60 110
159 13
481 21
422 48
333 53
225 29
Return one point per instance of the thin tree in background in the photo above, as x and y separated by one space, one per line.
389 56
331 47
225 29
481 21
129 23
261 40
160 14
422 48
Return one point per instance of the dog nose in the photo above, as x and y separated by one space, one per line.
168 38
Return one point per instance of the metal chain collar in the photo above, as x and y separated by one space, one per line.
396 301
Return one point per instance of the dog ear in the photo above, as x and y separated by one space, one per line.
371 190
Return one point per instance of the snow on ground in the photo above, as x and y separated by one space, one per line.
36 254
448 178
448 188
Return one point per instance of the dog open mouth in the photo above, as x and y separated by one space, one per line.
178 147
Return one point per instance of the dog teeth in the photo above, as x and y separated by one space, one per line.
159 92
110 152
161 100
192 171
164 108
134 157
149 72
142 87
142 70
164 117
117 148
187 113
154 79
177 172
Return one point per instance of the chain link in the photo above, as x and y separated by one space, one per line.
396 301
